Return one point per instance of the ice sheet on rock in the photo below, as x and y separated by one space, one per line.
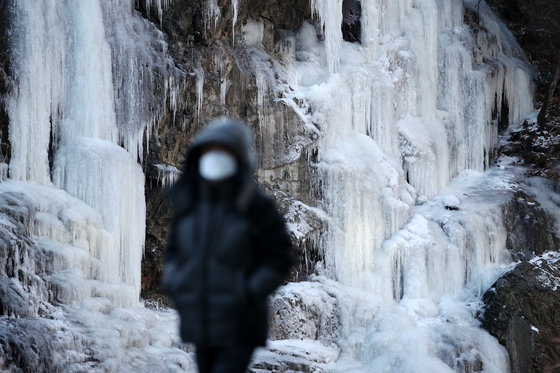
77 251
425 285
295 355
135 339
367 199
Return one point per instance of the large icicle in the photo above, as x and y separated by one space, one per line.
88 163
65 82
330 16
39 42
234 20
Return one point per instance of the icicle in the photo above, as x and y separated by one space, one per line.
330 14
140 66
212 14
4 167
199 91
108 179
167 174
234 21
171 95
40 42
223 91
160 7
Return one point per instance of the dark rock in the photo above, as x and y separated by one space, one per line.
351 20
522 308
522 312
529 229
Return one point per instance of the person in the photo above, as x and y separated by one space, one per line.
228 249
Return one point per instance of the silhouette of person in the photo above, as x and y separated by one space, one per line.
228 249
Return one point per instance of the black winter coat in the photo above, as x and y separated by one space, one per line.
228 250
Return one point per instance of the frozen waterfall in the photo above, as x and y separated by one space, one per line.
405 115
405 124
408 110
86 100
66 98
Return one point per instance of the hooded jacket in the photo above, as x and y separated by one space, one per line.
228 247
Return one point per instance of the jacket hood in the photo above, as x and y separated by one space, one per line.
233 134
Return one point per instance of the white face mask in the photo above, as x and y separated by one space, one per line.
217 165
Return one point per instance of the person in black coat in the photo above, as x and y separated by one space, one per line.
228 249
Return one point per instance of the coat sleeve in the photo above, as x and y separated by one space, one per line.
274 253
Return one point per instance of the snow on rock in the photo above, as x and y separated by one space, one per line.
294 355
304 310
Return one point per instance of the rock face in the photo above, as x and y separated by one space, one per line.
226 73
522 311
522 307
530 232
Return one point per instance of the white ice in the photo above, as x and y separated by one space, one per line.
407 127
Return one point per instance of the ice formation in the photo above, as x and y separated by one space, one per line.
234 20
160 6
167 174
212 14
86 74
414 108
66 72
404 116
406 125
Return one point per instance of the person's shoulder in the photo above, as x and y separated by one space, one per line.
261 202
